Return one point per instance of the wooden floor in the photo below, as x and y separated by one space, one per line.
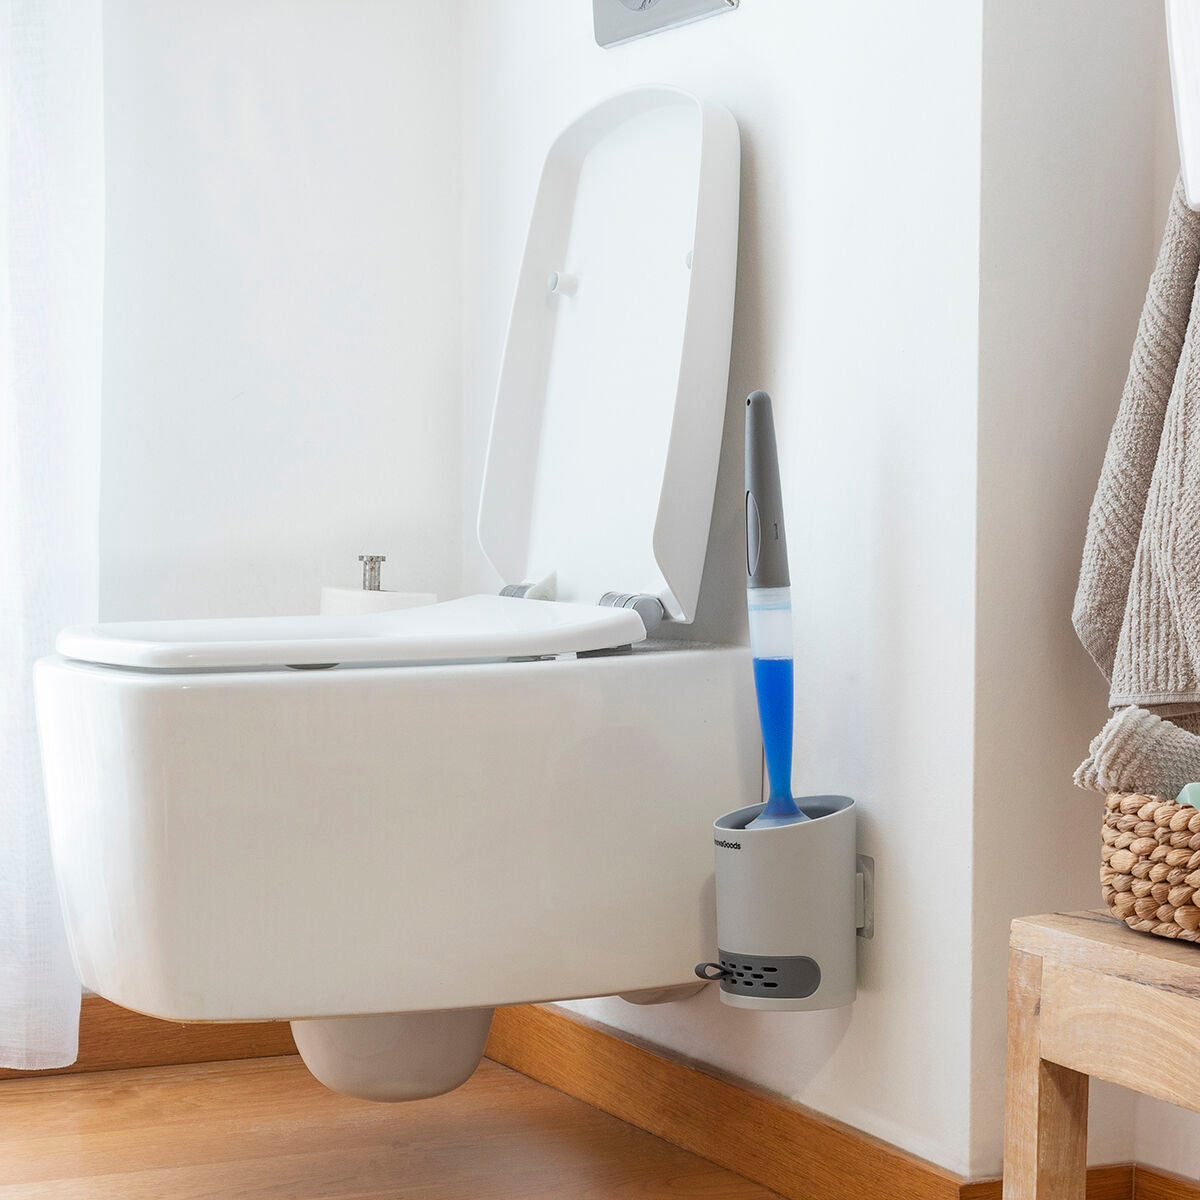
265 1128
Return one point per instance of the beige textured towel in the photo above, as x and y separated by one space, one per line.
1137 610
1140 752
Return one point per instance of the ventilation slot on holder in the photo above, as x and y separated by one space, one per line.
787 977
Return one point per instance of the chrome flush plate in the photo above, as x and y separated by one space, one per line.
618 21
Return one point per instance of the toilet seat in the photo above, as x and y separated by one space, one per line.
474 628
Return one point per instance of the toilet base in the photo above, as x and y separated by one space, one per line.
394 1056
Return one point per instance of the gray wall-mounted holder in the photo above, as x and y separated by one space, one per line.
790 901
618 21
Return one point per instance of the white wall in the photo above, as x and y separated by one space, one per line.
856 307
1167 1137
315 217
1077 166
954 707
282 371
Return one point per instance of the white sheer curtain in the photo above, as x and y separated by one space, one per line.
51 291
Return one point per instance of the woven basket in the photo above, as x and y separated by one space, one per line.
1150 864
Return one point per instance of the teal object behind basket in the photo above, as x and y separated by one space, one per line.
1189 794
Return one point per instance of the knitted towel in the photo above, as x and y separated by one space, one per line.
1140 752
1137 610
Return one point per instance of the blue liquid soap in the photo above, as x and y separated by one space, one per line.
773 684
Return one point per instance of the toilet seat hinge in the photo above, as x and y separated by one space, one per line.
537 589
649 608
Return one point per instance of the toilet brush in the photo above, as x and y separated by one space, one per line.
769 607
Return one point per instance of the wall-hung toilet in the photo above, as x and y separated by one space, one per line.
487 801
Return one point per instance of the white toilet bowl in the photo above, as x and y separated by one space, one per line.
483 802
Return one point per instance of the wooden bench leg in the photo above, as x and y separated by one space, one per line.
1045 1109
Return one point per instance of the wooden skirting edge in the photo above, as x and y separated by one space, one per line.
1149 1184
795 1152
791 1150
783 1147
1103 1183
112 1038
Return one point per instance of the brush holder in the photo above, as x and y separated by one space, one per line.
786 920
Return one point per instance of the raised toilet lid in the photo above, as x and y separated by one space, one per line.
474 628
606 434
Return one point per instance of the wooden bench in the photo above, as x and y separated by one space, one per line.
1088 996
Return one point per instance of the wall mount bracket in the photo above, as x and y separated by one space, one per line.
619 21
864 896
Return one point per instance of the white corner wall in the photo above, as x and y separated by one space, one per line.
1078 161
282 342
857 308
886 319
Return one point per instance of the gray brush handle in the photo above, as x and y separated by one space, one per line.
766 541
